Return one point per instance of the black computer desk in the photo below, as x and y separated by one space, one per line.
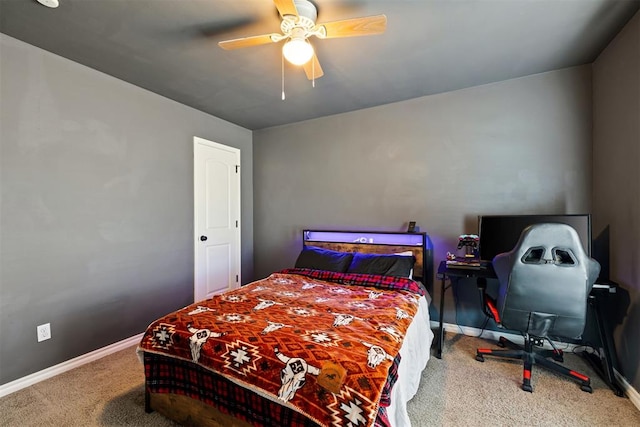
598 298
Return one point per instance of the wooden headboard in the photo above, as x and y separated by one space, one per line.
378 242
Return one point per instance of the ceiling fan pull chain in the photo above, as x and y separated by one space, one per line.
282 64
313 72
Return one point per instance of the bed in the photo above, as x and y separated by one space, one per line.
339 340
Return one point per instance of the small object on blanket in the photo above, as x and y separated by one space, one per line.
331 377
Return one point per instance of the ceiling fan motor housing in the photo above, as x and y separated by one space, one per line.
306 9
303 25
290 22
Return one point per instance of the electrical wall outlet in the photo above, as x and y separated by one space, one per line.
44 332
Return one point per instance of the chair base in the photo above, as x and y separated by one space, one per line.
532 357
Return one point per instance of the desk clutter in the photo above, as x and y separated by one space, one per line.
467 253
465 263
454 261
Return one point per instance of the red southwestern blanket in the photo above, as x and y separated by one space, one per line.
280 335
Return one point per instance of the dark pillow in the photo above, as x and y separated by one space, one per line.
324 259
386 265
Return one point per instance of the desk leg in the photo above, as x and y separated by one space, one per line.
608 348
441 329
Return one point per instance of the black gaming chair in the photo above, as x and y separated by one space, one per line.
544 285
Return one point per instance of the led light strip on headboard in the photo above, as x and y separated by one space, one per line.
404 239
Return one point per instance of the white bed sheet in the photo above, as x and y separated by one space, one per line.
415 352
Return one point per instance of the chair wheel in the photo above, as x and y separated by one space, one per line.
586 388
527 387
479 358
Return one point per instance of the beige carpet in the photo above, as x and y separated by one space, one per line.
460 391
454 391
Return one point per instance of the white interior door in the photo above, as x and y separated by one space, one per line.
216 218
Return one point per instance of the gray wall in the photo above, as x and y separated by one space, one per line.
96 216
616 184
518 146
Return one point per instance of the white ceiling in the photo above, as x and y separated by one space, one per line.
170 47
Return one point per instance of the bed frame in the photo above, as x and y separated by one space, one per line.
189 412
192 412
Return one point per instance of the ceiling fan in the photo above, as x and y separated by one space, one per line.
298 24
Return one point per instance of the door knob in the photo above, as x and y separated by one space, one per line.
203 238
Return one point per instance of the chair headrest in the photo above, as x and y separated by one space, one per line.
549 236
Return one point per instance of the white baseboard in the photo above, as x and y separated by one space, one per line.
36 377
631 392
627 388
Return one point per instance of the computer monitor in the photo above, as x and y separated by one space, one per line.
500 233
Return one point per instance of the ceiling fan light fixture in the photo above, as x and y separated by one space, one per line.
297 50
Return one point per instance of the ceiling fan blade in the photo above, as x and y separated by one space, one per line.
246 42
286 7
356 27
312 68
